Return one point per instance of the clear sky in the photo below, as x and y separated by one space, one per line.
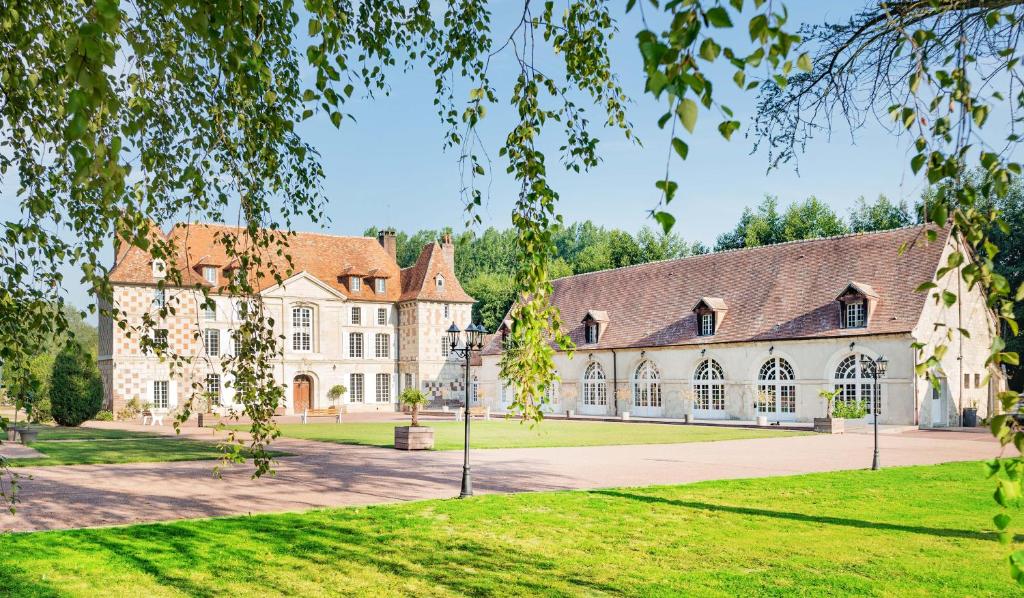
388 168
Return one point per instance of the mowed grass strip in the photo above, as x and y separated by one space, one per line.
448 435
919 531
81 446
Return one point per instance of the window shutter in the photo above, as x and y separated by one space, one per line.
172 394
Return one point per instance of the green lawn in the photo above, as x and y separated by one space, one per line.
513 434
919 531
77 446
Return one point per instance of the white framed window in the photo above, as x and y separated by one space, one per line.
210 274
709 386
213 389
379 285
408 380
211 338
356 316
439 282
161 394
856 314
355 388
355 344
159 269
209 312
159 298
302 328
382 345
591 333
355 284
776 388
382 316
446 349
855 385
646 385
383 388
447 311
160 338
595 387
707 324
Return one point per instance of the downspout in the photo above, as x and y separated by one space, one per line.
914 376
960 339
615 381
398 356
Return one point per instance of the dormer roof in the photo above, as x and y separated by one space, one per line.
596 315
712 303
858 288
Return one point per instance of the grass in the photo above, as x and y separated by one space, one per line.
919 531
513 434
78 446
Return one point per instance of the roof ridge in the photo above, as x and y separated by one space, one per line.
319 234
754 248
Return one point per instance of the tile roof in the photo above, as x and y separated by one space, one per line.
775 292
326 257
418 280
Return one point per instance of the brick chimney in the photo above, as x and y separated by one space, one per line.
448 250
389 241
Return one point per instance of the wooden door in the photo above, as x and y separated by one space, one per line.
302 392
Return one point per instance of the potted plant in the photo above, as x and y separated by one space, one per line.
413 437
971 415
336 393
829 424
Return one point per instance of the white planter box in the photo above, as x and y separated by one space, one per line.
625 415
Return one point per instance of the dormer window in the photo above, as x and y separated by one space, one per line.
379 285
439 282
856 314
159 269
210 274
707 324
355 284
710 312
504 332
856 303
593 326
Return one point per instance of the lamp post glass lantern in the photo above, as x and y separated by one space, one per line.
875 368
473 343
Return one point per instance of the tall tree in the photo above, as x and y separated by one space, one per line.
883 214
811 219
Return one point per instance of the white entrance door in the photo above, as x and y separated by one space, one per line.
709 391
647 391
776 390
939 396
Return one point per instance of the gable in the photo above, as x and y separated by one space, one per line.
304 286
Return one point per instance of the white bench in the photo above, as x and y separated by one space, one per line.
328 412
154 417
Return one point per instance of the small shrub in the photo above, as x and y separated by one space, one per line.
336 392
76 390
849 410
104 416
131 409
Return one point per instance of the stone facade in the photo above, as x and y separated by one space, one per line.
375 348
771 372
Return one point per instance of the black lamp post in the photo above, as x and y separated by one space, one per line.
876 369
474 343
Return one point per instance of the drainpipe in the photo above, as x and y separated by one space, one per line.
917 396
615 381
398 357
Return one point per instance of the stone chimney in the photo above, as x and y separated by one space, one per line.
448 250
389 241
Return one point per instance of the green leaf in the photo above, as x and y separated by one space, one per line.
718 17
666 220
728 127
917 162
804 62
687 111
709 50
682 149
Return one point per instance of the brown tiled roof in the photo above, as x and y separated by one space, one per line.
325 257
775 292
418 279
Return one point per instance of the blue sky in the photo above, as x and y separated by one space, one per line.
388 168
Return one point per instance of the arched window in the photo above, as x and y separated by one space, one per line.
646 386
302 329
776 388
709 386
595 387
855 384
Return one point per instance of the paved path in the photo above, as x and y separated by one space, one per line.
323 474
